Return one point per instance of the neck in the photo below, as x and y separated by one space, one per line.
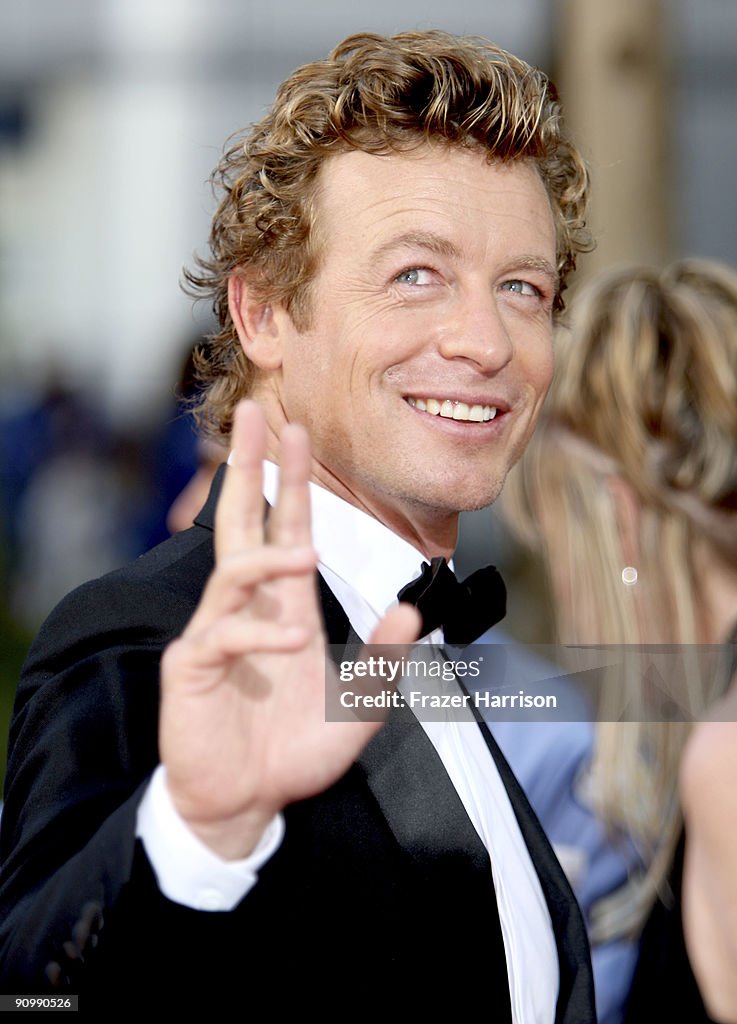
433 532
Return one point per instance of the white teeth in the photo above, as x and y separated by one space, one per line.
450 409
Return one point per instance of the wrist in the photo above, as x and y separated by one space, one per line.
230 837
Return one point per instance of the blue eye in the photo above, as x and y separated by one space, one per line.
414 276
521 288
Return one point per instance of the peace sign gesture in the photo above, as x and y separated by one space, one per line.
242 728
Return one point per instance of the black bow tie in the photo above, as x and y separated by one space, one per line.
464 609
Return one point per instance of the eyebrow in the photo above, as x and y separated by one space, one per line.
536 263
420 240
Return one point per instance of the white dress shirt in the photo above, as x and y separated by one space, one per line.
365 564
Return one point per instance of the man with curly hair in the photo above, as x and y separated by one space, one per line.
386 262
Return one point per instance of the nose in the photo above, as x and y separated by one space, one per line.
477 332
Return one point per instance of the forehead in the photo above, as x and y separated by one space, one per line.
365 199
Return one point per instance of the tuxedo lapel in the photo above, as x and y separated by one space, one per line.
206 517
419 802
424 813
405 773
575 996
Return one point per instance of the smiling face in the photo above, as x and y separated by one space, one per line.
429 351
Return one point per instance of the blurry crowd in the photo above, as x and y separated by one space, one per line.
79 495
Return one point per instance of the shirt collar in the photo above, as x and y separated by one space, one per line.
357 548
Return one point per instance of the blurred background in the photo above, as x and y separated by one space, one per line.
113 113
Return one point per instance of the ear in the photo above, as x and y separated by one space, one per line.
256 326
628 512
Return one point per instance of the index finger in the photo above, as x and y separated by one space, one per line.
239 519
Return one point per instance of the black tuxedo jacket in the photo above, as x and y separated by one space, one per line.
376 889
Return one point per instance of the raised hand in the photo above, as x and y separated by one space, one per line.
242 727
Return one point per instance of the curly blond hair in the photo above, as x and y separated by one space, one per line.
374 94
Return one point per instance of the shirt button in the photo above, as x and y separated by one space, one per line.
210 899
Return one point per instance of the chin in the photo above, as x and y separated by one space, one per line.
465 499
476 504
482 491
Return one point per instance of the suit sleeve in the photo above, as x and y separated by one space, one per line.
83 743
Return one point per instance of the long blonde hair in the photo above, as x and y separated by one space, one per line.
635 463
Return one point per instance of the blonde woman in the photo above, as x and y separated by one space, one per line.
629 490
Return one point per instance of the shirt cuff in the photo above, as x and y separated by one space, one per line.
187 871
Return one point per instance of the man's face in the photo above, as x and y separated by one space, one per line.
428 353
